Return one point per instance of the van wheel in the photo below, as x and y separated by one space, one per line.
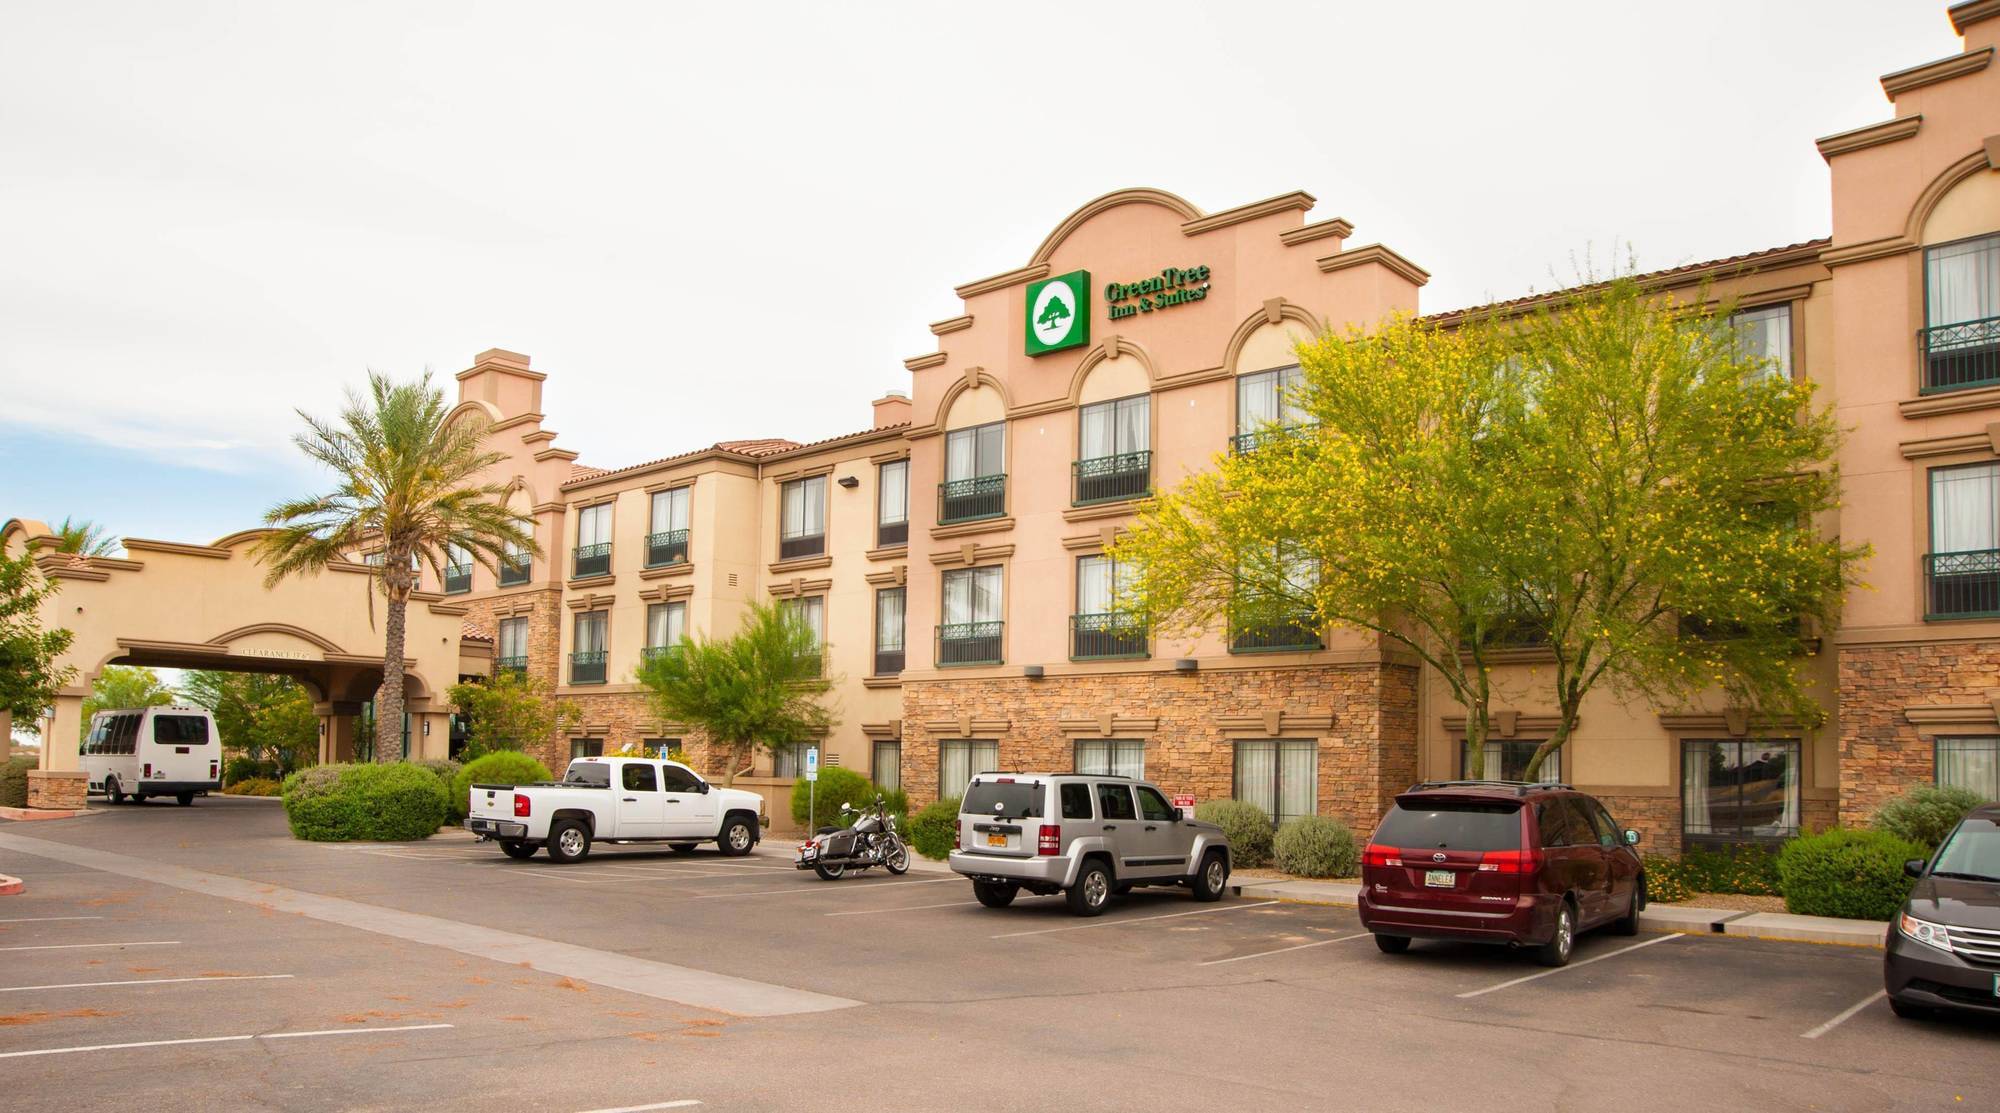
184 799
568 841
517 850
737 838
1392 944
1214 876
1091 894
112 792
1556 951
682 847
995 894
1628 924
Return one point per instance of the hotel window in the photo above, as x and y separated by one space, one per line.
1266 405
1962 570
1260 627
588 655
1961 338
888 768
802 525
1765 335
892 504
975 477
1735 789
1100 629
1114 458
665 625
960 758
585 747
513 646
664 748
457 568
970 632
810 613
1280 776
1111 757
667 541
789 759
593 541
516 562
1970 763
1508 761
889 616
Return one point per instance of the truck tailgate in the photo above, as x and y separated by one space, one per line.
491 802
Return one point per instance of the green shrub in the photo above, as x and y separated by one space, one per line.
14 781
933 829
1925 815
1665 881
243 768
1247 826
254 786
839 786
501 767
1315 846
446 770
383 803
1750 869
1853 874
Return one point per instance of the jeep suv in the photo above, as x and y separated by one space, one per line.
1082 835
1499 862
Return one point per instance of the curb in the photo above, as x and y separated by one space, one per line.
32 814
11 885
1299 892
1810 929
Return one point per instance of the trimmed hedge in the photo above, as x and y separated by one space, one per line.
821 805
1926 814
254 786
933 829
1751 870
1247 826
1857 875
447 771
1315 846
501 767
14 781
378 803
242 768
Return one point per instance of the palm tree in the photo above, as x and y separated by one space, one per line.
84 538
409 486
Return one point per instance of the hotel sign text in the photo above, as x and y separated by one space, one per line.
1171 287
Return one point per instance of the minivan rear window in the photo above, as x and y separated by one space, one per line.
180 730
1453 825
1005 799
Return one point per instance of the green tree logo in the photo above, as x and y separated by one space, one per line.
1054 316
1056 313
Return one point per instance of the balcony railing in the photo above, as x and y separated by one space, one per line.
1099 637
790 547
514 575
591 560
1963 584
1961 356
968 500
668 547
1273 637
969 643
653 652
888 662
1128 475
1243 443
1516 632
587 668
516 665
457 578
888 534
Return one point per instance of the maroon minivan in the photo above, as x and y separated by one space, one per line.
1527 865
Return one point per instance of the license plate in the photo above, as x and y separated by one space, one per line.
1440 879
808 853
996 840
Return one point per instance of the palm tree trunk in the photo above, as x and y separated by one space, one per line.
389 701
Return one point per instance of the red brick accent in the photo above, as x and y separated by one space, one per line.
57 790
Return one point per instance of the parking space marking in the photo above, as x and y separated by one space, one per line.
823 888
1571 966
1133 920
46 919
682 1104
219 1039
147 981
86 946
1283 950
1845 1015
912 908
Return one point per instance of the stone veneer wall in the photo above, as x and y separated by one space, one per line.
1881 753
1368 755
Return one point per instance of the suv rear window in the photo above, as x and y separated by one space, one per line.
1453 825
1005 799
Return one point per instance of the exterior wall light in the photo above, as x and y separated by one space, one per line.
849 482
1186 664
1032 672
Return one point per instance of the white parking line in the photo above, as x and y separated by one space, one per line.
835 887
147 981
1283 950
1845 1014
912 908
1134 920
46 919
86 946
219 1039
1571 966
684 1103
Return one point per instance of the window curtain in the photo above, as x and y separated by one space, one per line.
1970 763
1766 335
1099 433
1695 765
1965 509
958 760
590 633
889 605
514 637
811 613
970 453
670 510
593 525
895 493
1962 281
1781 758
1093 585
665 623
1298 780
888 767
1112 757
1257 774
971 595
1508 761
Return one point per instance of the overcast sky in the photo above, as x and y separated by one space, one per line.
719 220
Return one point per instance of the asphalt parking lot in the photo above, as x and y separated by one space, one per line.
190 958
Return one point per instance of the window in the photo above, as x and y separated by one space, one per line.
789 760
1961 338
516 563
1076 801
589 747
125 735
1153 807
675 779
1113 458
1280 776
667 539
970 633
811 614
513 645
1962 570
457 568
180 730
802 524
1740 789
959 759
659 747
1115 802
888 766
1765 335
1608 833
639 778
1111 757
1266 405
892 504
1508 761
889 611
588 656
1099 629
593 541
1557 821
1972 763
666 623
975 476
1258 630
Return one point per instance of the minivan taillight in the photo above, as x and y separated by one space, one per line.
520 806
1510 861
957 838
1378 855
1049 842
149 769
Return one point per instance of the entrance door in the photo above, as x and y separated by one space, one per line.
641 804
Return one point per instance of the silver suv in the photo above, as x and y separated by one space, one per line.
1083 835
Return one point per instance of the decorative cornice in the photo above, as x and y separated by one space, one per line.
1096 205
589 601
889 577
1959 443
1273 722
798 587
969 554
517 419
882 681
893 729
918 363
1930 73
951 324
968 529
1874 135
1094 542
1866 250
605 580
1506 723
900 452
889 552
453 610
142 545
1120 509
1971 12
1002 281
800 564
1936 716
1733 721
665 571
1318 230
666 593
673 484
1951 402
1106 724
547 454
1297 200
965 726
1375 253
801 473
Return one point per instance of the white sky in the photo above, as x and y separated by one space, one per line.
719 220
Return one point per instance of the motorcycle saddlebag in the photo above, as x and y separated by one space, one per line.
840 844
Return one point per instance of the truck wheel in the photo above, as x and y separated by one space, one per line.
516 849
1091 894
1214 875
112 792
184 799
995 894
568 842
737 838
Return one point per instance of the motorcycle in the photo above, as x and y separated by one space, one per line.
872 840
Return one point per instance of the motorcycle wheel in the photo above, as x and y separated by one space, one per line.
897 857
829 873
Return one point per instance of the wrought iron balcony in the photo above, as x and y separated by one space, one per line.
516 665
969 643
514 575
457 578
790 547
888 662
668 547
888 534
591 560
653 652
1108 636
1274 637
1961 356
1516 632
1243 443
587 668
1962 584
968 500
1128 475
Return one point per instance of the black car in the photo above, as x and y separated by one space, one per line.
1944 949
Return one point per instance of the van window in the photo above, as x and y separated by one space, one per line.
180 730
1004 799
95 743
1076 801
1554 819
124 734
1453 825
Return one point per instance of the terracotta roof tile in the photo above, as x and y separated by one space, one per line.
758 448
470 631
1649 278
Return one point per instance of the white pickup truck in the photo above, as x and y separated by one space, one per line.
615 800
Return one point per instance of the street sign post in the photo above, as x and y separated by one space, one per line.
812 789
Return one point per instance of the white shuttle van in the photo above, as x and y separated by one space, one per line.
153 751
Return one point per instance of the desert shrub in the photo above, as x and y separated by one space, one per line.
253 786
839 786
1247 826
1666 883
501 767
1315 846
446 770
14 781
933 829
387 803
1926 814
243 767
1853 874
1747 869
